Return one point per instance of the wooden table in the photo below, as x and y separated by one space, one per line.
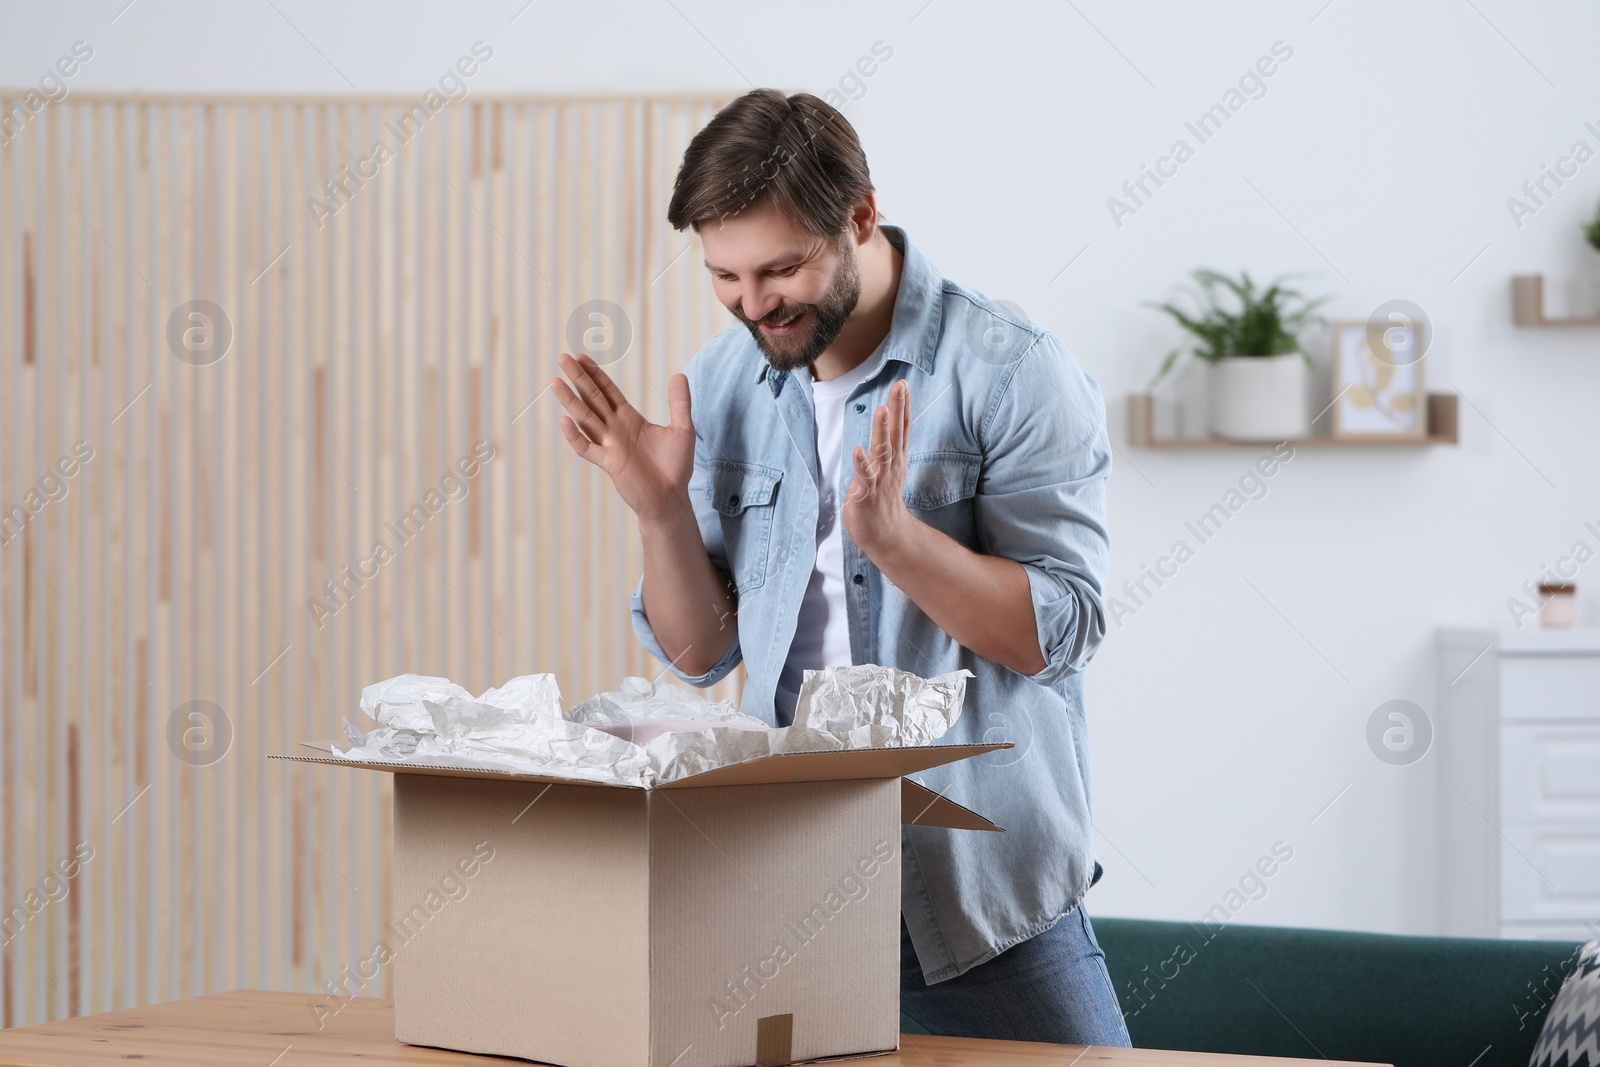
252 1028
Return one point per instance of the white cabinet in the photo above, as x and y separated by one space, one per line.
1519 782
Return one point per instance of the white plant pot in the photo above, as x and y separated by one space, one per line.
1258 398
1594 278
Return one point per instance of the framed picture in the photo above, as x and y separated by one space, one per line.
1377 381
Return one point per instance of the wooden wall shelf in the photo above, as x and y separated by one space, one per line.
1527 304
1443 429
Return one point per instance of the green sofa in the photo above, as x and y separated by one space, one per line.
1285 991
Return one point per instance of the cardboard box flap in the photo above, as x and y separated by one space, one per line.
444 770
823 766
834 764
921 806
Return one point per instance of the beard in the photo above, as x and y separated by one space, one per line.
823 320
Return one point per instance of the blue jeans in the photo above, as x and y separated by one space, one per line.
1052 987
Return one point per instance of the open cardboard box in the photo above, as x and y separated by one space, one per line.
747 915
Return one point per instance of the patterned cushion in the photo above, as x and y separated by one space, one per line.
1571 1035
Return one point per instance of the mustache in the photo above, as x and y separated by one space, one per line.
777 315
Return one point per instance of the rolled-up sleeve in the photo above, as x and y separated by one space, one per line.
1042 498
711 535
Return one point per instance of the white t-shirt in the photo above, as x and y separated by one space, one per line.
822 636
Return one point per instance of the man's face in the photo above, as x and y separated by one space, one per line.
769 270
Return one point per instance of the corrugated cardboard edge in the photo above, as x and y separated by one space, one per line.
833 764
443 770
814 766
919 805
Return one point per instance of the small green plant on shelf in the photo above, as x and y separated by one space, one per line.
1591 229
1264 322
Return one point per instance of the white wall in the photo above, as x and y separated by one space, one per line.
1229 711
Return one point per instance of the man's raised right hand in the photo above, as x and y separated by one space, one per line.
650 465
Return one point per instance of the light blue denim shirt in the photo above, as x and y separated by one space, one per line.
1008 455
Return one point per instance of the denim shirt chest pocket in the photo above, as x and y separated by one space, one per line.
744 495
939 489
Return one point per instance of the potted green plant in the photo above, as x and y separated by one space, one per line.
1591 230
1256 370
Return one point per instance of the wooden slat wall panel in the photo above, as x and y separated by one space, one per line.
368 355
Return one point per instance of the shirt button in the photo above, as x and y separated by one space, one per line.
860 406
733 498
858 579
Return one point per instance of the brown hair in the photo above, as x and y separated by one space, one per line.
797 151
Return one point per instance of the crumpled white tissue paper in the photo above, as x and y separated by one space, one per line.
647 733
516 727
